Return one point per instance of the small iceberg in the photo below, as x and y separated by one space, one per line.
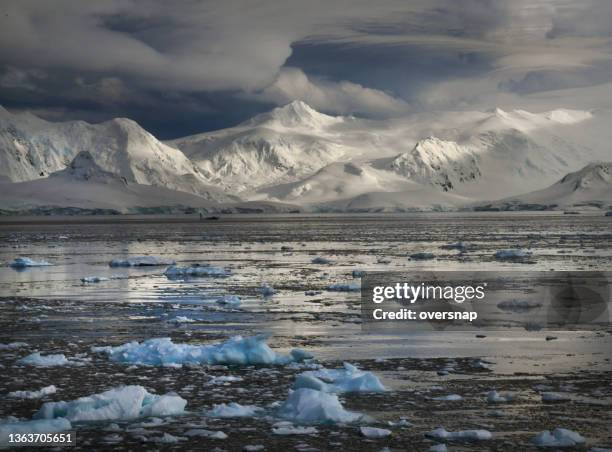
349 379
512 255
203 433
287 428
470 435
141 261
38 426
321 260
38 360
47 390
448 398
373 432
93 279
236 351
122 403
196 271
496 397
13 345
266 290
560 437
229 300
233 410
344 287
26 262
308 406
421 256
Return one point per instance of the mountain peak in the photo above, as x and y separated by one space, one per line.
593 174
296 113
84 167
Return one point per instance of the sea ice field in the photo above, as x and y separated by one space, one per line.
244 333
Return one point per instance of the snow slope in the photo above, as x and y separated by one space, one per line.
590 187
31 148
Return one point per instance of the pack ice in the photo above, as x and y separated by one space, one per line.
348 379
121 403
163 352
309 406
141 261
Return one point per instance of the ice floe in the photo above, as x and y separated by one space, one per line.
204 433
13 345
308 406
555 397
344 287
141 261
373 432
448 398
162 351
93 279
196 271
321 260
121 403
38 360
233 409
471 435
438 448
25 262
496 397
349 379
37 426
560 437
47 390
229 300
285 428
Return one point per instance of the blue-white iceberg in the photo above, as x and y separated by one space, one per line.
309 406
348 379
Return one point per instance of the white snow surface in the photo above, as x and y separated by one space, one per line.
309 406
348 379
121 403
162 352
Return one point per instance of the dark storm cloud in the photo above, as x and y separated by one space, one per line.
188 66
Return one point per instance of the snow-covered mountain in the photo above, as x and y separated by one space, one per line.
590 187
83 186
32 148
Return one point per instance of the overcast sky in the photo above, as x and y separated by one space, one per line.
183 67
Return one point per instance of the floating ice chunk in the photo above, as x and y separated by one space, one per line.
300 355
38 360
121 403
253 447
93 279
555 397
373 432
266 290
518 305
229 300
183 319
560 437
449 398
167 438
141 261
224 379
37 426
496 397
349 379
480 364
309 406
442 433
162 351
421 256
512 255
233 409
287 428
344 287
196 271
13 345
47 390
212 434
25 262
358 273
321 260
438 448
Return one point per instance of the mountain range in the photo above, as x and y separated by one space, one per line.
295 157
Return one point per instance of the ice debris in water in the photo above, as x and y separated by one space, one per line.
229 300
421 256
449 398
496 397
141 261
93 279
373 432
13 345
38 360
38 426
438 448
47 390
512 255
555 397
233 409
212 434
266 290
560 437
162 351
442 433
284 428
196 271
349 379
121 403
344 287
24 262
321 260
308 406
